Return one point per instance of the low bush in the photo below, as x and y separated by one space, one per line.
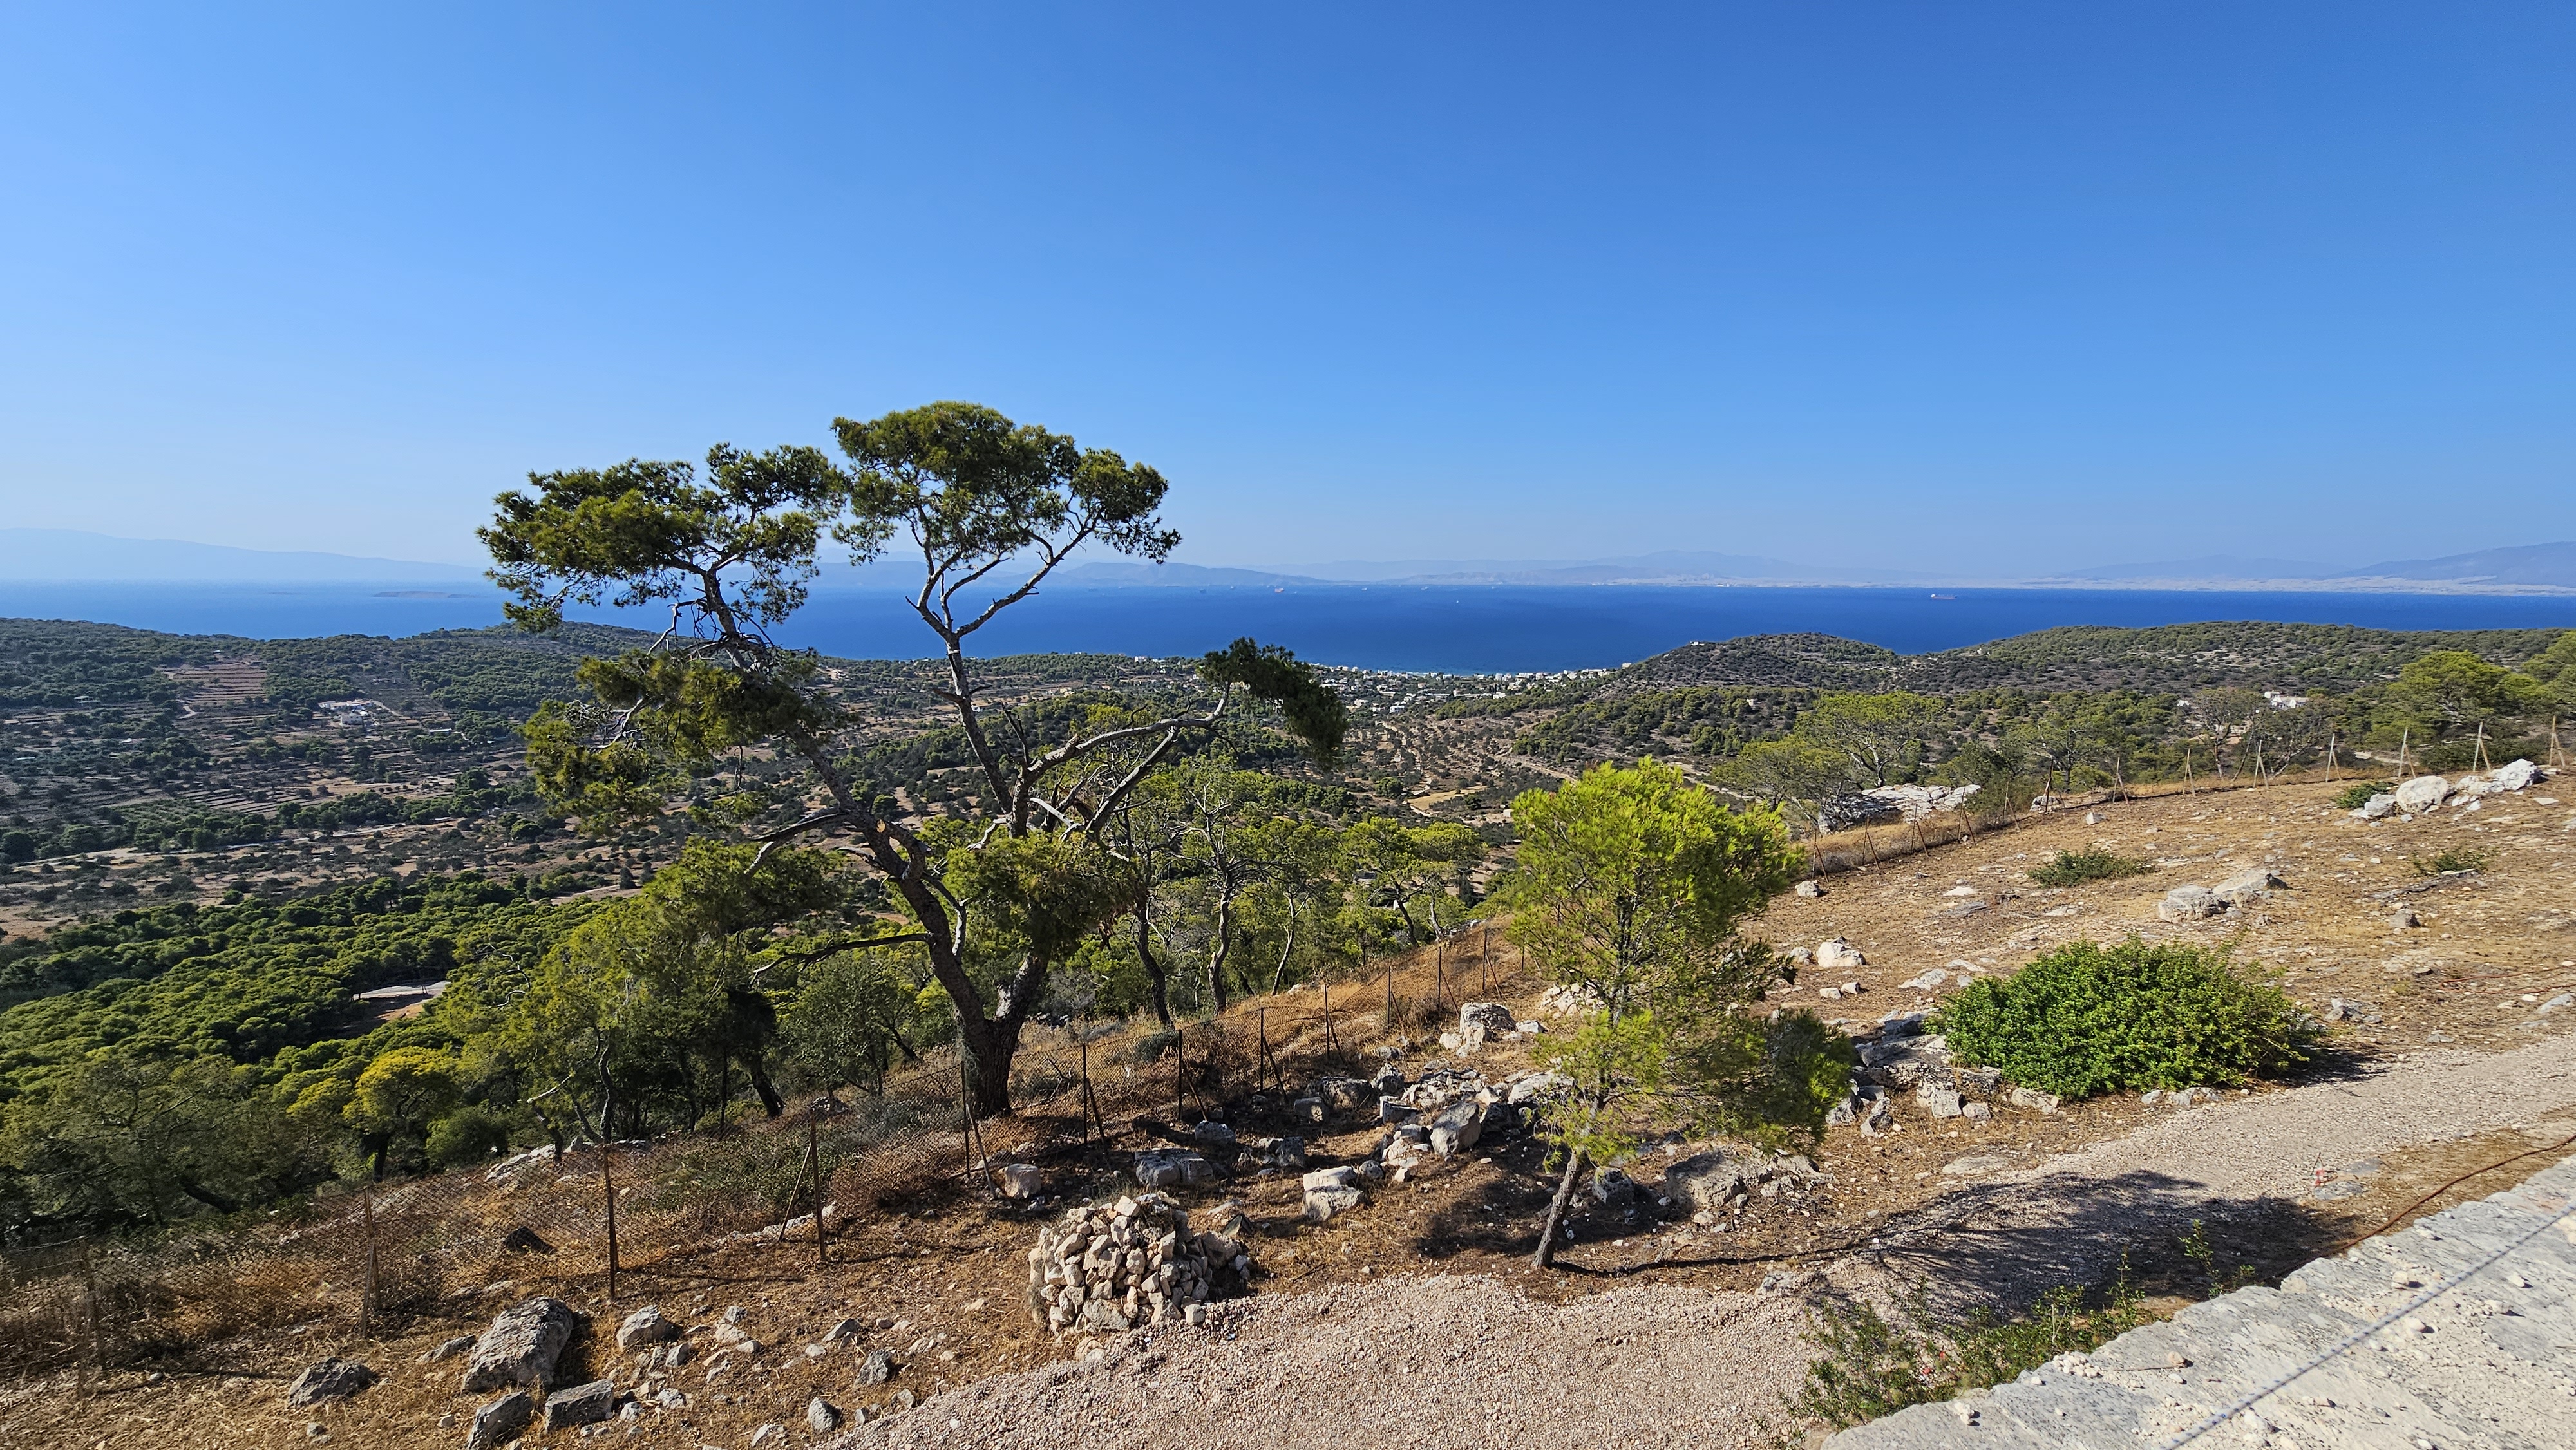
1871 1366
2074 868
2450 859
2087 1019
2357 795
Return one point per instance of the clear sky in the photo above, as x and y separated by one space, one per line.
2003 285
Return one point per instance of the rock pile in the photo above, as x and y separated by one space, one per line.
2427 793
1121 1266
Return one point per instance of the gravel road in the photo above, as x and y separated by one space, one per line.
1458 1361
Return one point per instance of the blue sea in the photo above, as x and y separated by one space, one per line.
1481 629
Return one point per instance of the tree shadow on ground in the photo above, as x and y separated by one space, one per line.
2004 1245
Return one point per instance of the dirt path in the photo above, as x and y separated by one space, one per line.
2248 1168
1454 1360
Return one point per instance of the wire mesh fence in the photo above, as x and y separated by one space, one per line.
776 1198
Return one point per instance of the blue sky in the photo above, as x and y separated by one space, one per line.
2009 286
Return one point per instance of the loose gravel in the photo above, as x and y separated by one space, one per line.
1431 1362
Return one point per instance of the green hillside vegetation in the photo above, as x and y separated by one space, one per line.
187 1049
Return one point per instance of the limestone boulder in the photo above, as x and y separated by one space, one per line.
521 1346
2246 887
1322 1203
1708 1181
1457 1128
581 1405
2189 903
1837 955
2515 776
2375 807
646 1326
2423 793
1173 1168
1496 1018
499 1423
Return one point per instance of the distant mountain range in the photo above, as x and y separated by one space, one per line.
72 555
2521 566
2524 567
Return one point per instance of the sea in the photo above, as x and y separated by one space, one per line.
1486 629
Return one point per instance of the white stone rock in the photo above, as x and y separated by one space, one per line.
1837 955
1022 1180
2375 807
2422 794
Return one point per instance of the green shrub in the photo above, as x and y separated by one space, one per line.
1872 1367
2074 868
2357 795
2450 859
467 1136
2088 1019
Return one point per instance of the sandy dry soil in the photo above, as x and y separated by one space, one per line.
1416 1315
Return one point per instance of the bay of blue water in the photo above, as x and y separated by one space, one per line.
1400 627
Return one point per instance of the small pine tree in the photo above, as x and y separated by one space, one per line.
1630 889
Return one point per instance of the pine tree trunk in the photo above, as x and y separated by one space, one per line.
1154 974
1556 1209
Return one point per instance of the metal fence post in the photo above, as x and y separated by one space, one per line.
367 1300
93 1367
814 1164
1090 1099
608 1196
